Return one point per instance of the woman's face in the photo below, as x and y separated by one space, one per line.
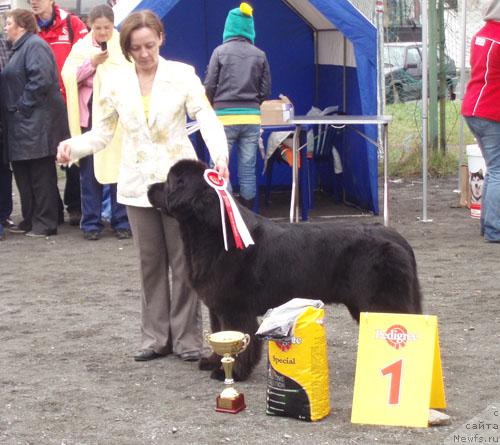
12 30
102 29
145 48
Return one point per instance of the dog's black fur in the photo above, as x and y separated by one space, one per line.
367 267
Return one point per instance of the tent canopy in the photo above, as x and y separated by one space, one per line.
321 53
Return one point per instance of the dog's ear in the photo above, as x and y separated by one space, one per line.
206 207
187 195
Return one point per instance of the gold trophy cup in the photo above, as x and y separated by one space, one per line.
227 344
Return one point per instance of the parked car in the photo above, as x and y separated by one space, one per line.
403 72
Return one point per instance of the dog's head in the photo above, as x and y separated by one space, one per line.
476 184
185 194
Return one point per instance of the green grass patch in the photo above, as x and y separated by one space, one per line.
405 141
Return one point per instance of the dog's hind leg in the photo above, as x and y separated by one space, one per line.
354 311
402 296
416 295
391 284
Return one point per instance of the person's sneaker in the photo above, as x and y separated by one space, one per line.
45 234
35 235
8 223
74 217
18 229
123 233
93 235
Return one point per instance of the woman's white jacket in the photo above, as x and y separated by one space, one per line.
150 147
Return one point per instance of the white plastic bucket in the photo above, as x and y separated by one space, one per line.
477 171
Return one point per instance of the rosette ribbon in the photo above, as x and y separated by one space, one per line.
241 234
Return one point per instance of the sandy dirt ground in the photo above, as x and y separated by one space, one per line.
69 326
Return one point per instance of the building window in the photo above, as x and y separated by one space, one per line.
79 7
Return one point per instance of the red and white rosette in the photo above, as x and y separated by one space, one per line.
241 234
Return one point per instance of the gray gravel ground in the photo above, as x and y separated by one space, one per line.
69 324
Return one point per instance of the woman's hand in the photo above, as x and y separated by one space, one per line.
63 153
222 168
99 58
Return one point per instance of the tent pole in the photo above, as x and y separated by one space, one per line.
425 105
382 129
380 60
316 68
463 56
379 10
344 76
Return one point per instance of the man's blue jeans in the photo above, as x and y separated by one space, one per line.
92 193
246 137
487 134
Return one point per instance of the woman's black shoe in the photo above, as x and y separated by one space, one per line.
146 355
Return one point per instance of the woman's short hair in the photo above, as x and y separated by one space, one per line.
23 18
135 21
101 11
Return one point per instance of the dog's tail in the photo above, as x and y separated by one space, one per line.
398 284
414 287
414 290
417 295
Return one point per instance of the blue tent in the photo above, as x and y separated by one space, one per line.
301 39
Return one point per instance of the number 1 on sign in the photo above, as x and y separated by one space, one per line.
395 370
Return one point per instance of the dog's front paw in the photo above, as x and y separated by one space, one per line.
240 375
218 374
209 363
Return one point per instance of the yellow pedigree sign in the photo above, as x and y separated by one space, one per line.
398 370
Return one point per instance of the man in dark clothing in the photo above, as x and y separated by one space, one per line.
237 81
5 173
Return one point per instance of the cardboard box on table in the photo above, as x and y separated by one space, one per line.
276 111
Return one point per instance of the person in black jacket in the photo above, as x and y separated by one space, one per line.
237 81
5 173
35 121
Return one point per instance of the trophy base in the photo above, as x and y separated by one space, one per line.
231 406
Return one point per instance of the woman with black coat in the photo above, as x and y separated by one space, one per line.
35 121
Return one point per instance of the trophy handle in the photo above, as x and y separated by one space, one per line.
245 342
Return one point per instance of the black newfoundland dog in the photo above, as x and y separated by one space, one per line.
367 267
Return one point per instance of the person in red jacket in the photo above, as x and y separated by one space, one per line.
482 113
61 31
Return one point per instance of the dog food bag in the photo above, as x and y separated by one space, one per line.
297 383
278 322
